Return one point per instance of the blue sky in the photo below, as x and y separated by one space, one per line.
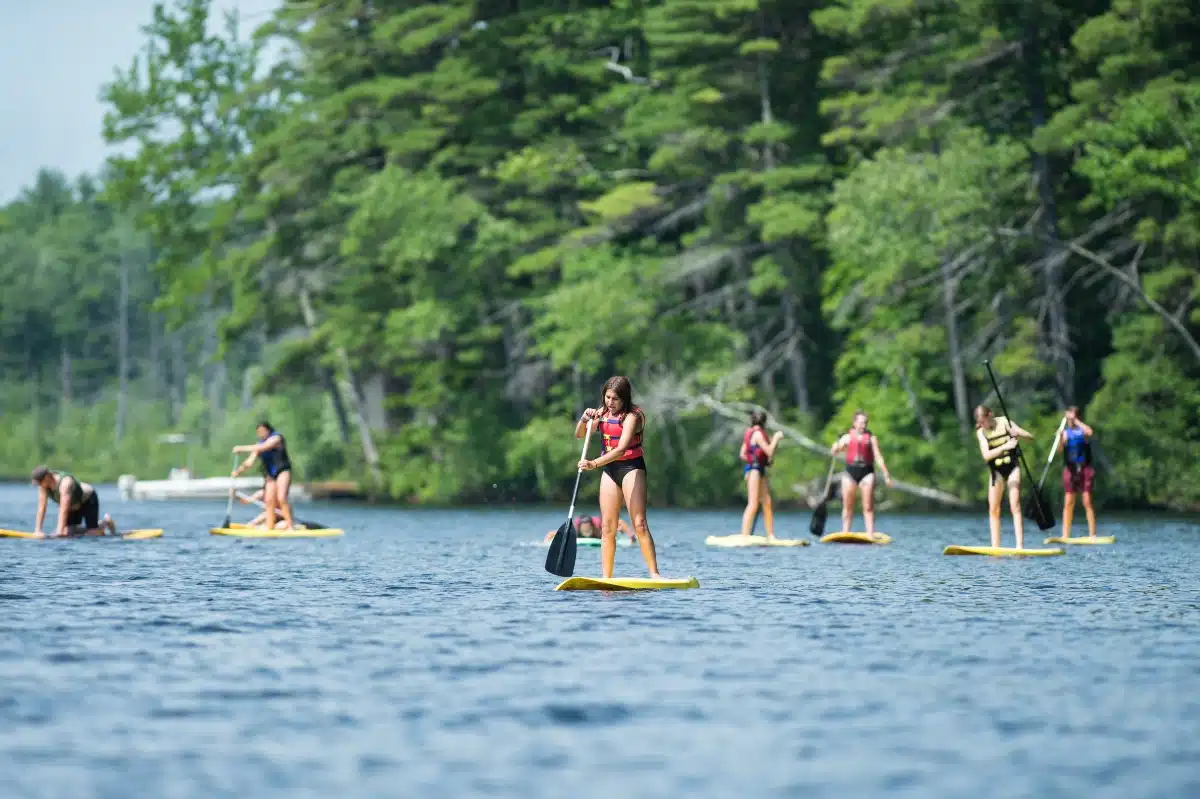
54 58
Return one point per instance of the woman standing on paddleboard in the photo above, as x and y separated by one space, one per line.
758 453
621 424
997 438
862 451
271 449
1078 474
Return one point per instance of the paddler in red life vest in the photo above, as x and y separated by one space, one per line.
1078 474
758 453
621 425
862 451
589 527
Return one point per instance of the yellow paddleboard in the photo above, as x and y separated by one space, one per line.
856 538
261 532
1002 552
1100 539
739 540
135 535
623 584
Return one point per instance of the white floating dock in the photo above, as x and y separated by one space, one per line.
196 488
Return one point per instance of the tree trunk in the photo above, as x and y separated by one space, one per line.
1057 336
350 388
764 94
178 377
215 372
122 349
155 369
957 373
796 360
65 396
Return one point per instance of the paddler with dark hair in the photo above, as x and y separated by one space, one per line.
78 504
271 449
621 425
997 436
758 452
589 527
1078 474
862 451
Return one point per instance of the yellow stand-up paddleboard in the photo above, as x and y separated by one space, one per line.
856 538
1002 552
624 584
135 535
1102 539
262 532
739 540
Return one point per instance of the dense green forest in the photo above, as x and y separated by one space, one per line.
420 235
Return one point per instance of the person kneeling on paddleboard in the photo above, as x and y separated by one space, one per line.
589 527
271 449
997 438
621 426
1078 473
78 504
757 452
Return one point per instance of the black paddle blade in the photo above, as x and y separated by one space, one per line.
1038 509
816 526
560 560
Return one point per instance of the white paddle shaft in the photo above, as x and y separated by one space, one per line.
586 440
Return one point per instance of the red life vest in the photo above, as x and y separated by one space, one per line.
754 453
610 434
859 451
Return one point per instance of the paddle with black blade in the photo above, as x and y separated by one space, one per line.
303 522
560 560
816 526
232 488
1037 507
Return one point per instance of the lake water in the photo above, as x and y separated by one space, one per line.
425 654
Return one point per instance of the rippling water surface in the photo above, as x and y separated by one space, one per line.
425 654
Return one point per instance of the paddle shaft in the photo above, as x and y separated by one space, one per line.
232 489
1053 451
1020 455
587 437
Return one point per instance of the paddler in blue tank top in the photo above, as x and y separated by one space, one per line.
1078 474
271 449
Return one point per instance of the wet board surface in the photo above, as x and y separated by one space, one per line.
624 584
1002 552
260 532
1100 539
739 540
856 538
132 535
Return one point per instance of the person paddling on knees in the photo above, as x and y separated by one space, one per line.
1078 474
997 437
271 449
589 527
862 451
78 504
758 453
621 425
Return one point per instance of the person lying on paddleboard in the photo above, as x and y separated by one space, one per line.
260 519
1078 474
758 452
589 527
862 451
78 504
271 449
621 425
997 438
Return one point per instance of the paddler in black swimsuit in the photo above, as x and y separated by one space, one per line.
271 449
78 504
997 437
621 425
862 451
589 527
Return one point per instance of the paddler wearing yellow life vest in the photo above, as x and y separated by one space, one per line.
862 451
997 437
621 425
78 504
271 449
1078 473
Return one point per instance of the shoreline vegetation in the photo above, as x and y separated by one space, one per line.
419 241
